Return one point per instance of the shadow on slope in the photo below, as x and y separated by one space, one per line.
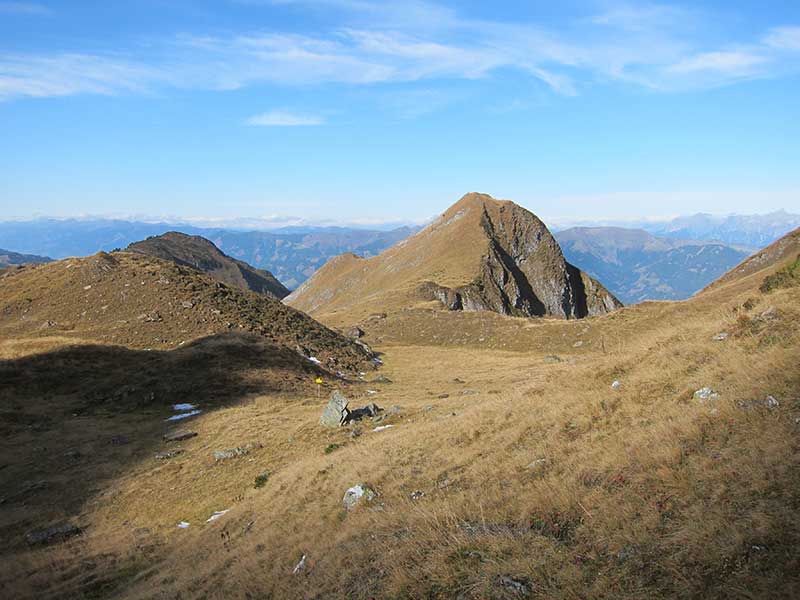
74 419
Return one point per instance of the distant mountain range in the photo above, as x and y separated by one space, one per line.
291 254
638 266
755 231
8 258
651 261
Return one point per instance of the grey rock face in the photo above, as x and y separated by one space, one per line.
336 412
525 274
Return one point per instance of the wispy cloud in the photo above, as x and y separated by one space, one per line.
283 118
369 43
784 38
24 8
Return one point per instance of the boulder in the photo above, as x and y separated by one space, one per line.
336 412
357 494
355 332
370 410
706 394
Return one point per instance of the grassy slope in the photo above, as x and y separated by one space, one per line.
643 492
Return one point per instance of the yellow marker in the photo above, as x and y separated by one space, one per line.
319 381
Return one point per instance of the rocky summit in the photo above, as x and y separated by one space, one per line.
201 254
481 255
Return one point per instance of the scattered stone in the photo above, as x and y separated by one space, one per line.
355 433
577 344
217 514
300 565
706 394
769 403
168 454
261 479
56 533
119 440
336 412
771 314
381 379
382 427
537 464
355 333
183 525
469 392
616 385
417 495
370 410
393 411
187 304
459 381
179 435
552 359
376 316
236 452
721 337
443 396
151 317
515 585
355 494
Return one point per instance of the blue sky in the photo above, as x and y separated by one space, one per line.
363 111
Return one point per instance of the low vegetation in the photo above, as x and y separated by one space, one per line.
789 276
507 472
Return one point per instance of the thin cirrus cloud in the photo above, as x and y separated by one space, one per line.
370 44
24 8
284 118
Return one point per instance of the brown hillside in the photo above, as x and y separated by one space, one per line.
139 302
785 249
481 255
201 254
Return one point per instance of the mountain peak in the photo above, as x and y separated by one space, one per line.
482 254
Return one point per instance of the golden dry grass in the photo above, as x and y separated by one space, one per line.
546 481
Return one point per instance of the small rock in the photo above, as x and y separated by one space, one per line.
179 436
381 379
616 385
183 525
577 344
551 359
706 394
168 454
515 585
300 565
721 337
119 440
336 412
52 534
769 403
537 464
459 381
771 314
443 396
417 495
355 433
236 452
355 333
187 304
469 392
382 427
355 494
